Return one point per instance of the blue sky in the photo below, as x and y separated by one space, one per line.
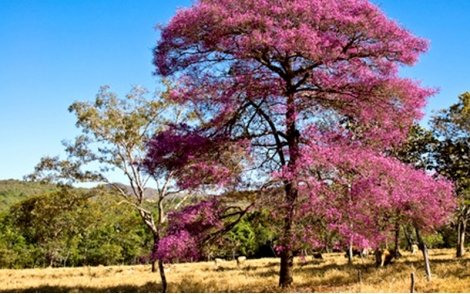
54 52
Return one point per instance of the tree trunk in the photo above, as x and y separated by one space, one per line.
290 186
153 262
161 269
350 254
409 238
424 249
461 229
287 263
153 256
287 254
150 223
397 253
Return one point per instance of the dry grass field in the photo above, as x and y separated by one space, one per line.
332 274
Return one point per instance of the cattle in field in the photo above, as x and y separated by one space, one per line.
241 260
384 257
317 255
414 249
218 261
364 252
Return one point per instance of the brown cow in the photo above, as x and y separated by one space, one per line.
384 257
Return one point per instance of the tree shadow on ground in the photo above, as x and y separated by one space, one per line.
360 271
146 288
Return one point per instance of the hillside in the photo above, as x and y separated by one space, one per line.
12 191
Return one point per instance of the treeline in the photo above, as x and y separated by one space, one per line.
77 227
67 226
71 227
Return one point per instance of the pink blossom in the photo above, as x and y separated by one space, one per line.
305 96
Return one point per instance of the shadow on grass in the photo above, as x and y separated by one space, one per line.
146 288
358 272
245 267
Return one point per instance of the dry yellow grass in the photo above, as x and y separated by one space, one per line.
331 274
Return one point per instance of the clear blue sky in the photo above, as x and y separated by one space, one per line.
54 52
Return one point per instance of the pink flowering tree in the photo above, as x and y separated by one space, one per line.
195 227
363 194
187 229
260 75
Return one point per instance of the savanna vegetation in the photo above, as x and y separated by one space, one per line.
283 132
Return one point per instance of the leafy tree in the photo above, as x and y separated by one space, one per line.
71 227
114 135
15 252
418 149
253 233
452 127
283 89
46 221
194 228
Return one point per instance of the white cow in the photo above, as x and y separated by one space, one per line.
241 260
414 249
218 261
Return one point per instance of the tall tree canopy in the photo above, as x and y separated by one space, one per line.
114 134
452 127
280 90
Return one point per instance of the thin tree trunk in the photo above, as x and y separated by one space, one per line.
154 264
155 261
153 257
161 269
397 253
424 249
350 253
461 229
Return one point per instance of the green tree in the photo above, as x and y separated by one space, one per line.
418 149
45 220
114 135
452 127
249 237
71 227
15 252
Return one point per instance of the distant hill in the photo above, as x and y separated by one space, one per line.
149 193
13 191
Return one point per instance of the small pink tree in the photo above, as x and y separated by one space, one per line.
260 74
194 227
187 230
